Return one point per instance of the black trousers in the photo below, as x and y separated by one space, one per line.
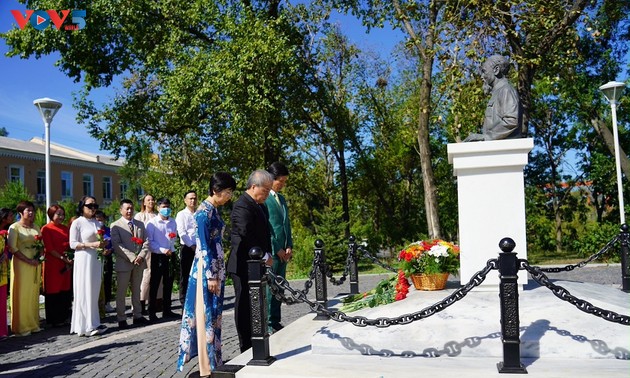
160 270
242 311
186 257
108 272
58 307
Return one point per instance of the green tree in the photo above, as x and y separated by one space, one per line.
12 193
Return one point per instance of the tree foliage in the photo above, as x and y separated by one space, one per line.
235 85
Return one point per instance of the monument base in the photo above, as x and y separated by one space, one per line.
491 202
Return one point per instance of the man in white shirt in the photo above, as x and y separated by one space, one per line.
187 231
162 234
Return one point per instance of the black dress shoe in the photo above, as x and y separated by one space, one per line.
140 321
123 325
153 318
170 314
277 326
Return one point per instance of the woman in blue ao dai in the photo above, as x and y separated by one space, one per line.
202 314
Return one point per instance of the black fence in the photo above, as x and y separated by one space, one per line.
507 264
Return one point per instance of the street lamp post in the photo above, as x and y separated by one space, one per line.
47 109
613 91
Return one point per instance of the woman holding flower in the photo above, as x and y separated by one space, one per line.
147 212
202 312
87 271
57 276
24 239
6 218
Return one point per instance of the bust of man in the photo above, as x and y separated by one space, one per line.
503 114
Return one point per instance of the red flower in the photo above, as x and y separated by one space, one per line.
4 232
136 240
38 237
172 235
101 231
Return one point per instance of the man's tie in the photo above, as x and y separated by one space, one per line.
131 228
275 196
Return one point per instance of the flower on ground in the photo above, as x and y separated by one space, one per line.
386 291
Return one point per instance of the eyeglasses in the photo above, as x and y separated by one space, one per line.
91 206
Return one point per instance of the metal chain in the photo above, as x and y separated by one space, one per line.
346 270
361 321
569 268
562 293
376 261
276 289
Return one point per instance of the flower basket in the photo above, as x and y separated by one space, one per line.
429 262
429 282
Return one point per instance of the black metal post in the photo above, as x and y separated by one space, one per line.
625 260
258 299
354 266
508 294
321 293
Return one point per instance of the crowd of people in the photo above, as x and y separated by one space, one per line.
73 264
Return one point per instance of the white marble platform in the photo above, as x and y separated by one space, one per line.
557 340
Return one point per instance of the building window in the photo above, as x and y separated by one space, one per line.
41 186
16 173
88 185
123 189
66 185
107 188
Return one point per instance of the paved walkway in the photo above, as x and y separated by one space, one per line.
151 351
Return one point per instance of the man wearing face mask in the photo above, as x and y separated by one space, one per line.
161 233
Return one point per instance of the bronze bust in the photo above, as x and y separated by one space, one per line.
503 116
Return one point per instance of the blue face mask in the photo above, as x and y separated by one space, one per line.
165 211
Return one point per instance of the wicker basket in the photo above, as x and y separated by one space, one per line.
435 281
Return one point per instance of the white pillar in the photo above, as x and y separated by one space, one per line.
491 199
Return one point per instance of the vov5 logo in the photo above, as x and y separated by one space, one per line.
40 19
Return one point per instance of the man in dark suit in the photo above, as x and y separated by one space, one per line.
131 248
250 228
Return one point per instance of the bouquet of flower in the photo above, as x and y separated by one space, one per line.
39 249
172 236
100 236
69 254
3 252
429 257
387 291
138 242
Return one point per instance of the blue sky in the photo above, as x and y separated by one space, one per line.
22 81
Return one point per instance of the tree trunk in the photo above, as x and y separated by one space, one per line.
424 45
428 180
609 141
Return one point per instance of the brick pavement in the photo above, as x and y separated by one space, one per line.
151 351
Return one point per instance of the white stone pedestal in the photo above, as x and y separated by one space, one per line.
491 193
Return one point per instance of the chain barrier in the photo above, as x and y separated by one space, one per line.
376 261
276 289
569 268
562 293
277 283
343 277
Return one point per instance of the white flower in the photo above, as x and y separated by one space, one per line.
439 251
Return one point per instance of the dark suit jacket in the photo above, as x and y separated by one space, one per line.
124 248
250 228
